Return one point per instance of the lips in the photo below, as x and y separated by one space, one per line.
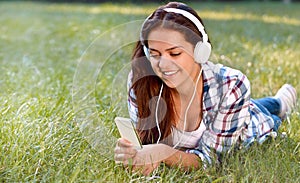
169 73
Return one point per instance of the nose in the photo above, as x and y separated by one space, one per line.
164 62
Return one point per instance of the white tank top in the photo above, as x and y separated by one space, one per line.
187 139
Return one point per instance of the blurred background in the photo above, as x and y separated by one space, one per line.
149 1
63 73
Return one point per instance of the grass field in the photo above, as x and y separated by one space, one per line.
59 93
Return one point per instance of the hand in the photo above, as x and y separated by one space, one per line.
148 159
124 151
145 160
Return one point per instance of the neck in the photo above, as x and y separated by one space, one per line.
186 90
189 103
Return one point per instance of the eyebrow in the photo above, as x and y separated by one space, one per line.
172 48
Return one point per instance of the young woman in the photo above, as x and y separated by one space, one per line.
188 110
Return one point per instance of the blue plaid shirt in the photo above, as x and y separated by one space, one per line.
229 115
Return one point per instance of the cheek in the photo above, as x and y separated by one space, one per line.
154 67
186 63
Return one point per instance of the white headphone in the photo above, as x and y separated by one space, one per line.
202 49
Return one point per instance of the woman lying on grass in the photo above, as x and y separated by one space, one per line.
188 110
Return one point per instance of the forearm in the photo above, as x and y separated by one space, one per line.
150 156
180 158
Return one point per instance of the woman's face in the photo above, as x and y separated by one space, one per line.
171 57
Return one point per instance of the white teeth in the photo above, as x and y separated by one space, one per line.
169 73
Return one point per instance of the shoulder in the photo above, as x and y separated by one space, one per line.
130 90
224 85
226 75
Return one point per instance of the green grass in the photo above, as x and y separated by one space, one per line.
50 134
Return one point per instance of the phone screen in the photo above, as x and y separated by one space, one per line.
128 131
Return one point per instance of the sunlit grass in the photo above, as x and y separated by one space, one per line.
251 17
40 47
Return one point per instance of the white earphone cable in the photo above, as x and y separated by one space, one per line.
185 114
188 107
156 113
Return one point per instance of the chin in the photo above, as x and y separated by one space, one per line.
170 84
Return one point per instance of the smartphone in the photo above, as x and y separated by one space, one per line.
127 131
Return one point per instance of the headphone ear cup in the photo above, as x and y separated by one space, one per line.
146 51
202 51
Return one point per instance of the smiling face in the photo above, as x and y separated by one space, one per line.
171 57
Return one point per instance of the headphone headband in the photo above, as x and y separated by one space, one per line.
192 18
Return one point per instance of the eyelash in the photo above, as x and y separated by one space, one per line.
175 54
158 56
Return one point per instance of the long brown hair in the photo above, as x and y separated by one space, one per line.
146 85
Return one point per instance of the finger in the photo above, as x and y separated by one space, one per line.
118 157
148 169
125 150
128 162
117 150
124 143
118 162
123 157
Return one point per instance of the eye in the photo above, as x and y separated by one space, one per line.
155 55
175 54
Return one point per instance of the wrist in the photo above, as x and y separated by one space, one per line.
163 152
168 153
